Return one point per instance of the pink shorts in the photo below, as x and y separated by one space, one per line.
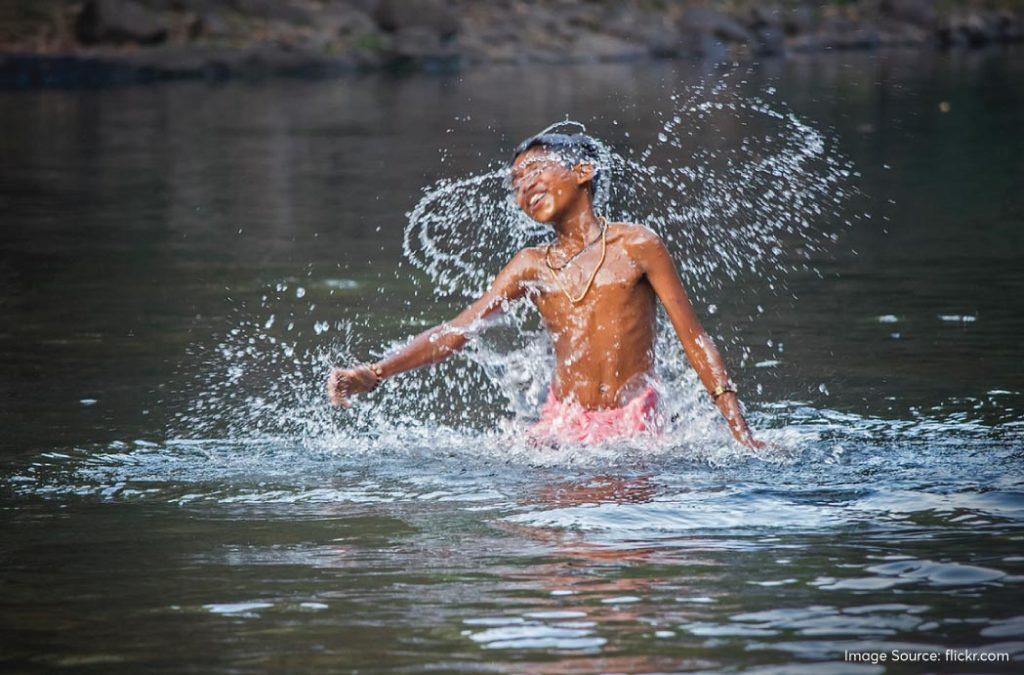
568 421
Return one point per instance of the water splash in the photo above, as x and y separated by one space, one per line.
938 457
735 186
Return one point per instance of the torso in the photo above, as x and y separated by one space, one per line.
604 344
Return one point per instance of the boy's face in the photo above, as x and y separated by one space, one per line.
544 186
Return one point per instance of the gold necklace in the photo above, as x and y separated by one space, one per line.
593 275
547 251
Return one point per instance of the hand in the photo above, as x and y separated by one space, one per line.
746 439
345 382
730 407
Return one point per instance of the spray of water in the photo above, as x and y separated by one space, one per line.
739 188
735 186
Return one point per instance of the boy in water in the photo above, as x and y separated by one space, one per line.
596 287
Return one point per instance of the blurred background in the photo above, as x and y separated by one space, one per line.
66 42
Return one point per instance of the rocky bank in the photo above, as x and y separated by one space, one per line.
88 42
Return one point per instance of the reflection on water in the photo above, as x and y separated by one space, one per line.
151 223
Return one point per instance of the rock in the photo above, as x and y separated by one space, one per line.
1010 28
273 60
769 41
766 15
659 35
583 17
710 22
547 27
197 6
486 47
904 35
436 16
119 22
968 30
837 32
705 46
706 33
342 29
423 47
213 25
799 20
367 7
215 38
349 22
917 12
276 10
416 41
603 47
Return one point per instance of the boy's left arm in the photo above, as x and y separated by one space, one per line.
700 350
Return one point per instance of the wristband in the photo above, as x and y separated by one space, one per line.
722 389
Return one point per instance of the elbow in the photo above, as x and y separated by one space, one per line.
455 342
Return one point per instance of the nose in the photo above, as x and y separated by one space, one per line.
527 186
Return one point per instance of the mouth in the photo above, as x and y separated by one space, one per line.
536 199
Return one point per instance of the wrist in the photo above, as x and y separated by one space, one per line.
722 390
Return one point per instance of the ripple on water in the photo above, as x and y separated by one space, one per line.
1012 627
241 609
536 636
956 480
698 510
902 572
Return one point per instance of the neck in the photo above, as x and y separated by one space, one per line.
578 225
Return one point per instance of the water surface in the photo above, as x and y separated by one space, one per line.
150 233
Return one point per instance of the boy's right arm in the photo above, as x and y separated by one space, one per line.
438 343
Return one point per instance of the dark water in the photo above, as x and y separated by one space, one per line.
141 226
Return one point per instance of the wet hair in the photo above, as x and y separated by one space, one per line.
572 149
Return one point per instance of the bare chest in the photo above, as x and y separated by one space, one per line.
569 302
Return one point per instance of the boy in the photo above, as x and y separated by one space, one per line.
595 287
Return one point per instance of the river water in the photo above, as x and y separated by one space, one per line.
180 262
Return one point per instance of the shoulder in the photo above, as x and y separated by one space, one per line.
525 260
528 256
639 241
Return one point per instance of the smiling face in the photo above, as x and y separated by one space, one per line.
544 186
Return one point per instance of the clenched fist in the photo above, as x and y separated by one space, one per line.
345 382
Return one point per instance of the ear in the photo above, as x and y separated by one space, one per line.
584 172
